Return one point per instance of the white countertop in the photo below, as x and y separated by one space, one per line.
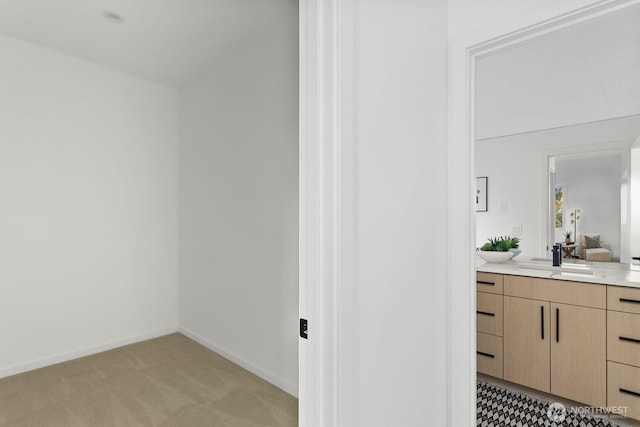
602 273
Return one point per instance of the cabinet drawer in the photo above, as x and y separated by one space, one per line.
561 291
489 355
489 313
620 298
489 282
623 388
623 337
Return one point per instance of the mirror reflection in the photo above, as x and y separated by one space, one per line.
574 180
559 116
588 218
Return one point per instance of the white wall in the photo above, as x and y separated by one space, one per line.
88 207
592 184
392 356
577 75
239 204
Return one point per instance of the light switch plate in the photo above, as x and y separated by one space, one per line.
516 230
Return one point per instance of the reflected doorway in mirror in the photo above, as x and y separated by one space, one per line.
481 193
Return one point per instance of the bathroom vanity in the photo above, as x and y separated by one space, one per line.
572 331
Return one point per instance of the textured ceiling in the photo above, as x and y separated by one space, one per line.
167 41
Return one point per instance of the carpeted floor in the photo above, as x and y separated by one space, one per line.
167 381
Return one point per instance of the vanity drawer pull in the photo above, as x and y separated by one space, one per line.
486 354
632 301
486 313
629 339
482 282
633 393
557 325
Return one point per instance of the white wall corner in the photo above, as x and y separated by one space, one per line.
261 372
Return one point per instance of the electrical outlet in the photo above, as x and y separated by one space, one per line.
516 230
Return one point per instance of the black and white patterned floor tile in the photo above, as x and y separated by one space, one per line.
500 407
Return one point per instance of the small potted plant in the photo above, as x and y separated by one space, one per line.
567 237
497 250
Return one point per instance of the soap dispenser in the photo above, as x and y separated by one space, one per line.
557 257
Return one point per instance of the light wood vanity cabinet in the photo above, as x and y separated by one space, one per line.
555 337
489 354
623 349
526 342
489 321
489 313
577 340
623 299
623 338
623 383
489 282
549 335
579 353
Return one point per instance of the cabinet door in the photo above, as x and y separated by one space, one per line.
526 342
578 353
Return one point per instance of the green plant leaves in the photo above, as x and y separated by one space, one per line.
500 244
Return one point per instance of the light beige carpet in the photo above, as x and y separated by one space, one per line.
167 381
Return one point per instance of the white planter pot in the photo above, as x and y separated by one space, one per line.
495 257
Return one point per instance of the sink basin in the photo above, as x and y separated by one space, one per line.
565 262
564 275
581 270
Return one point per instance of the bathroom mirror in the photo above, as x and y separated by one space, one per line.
594 164
563 111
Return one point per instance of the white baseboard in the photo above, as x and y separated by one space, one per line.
87 351
286 386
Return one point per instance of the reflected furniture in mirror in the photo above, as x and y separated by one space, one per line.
568 250
594 249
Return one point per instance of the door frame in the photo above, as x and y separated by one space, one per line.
326 189
463 53
326 197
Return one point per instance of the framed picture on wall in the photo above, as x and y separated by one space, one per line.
558 196
481 193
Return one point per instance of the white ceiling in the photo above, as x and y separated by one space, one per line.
167 41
